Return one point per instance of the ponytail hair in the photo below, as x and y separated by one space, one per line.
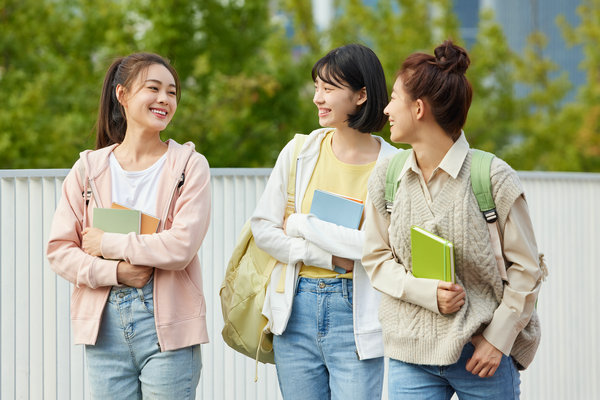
440 80
112 124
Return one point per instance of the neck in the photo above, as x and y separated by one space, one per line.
431 149
354 147
139 150
140 144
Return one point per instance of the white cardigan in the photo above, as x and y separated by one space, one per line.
313 242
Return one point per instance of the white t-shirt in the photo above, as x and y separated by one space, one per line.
136 189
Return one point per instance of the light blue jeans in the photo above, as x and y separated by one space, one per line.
316 356
126 361
427 382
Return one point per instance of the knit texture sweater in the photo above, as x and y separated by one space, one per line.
414 334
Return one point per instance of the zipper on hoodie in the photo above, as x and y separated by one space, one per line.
175 187
177 184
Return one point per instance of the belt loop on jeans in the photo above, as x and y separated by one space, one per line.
141 294
345 288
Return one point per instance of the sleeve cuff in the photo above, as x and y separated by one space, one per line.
422 292
503 329
292 225
105 272
318 257
112 246
309 254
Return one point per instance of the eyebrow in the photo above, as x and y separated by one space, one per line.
159 82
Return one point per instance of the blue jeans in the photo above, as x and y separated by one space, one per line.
424 382
316 356
126 361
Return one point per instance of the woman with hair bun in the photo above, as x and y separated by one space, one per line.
472 336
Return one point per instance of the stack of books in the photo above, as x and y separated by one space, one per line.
120 219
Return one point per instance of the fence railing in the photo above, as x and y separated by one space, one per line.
38 360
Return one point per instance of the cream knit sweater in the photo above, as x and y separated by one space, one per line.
414 334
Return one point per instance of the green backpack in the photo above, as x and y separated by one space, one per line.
480 181
481 184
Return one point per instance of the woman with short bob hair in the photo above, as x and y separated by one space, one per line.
327 339
471 336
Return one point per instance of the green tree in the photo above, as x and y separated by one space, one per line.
583 116
543 137
494 100
245 68
48 53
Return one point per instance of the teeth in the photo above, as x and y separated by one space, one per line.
160 112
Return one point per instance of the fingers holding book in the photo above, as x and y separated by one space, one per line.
450 297
92 241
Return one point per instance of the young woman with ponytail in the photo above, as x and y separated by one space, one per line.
472 336
137 303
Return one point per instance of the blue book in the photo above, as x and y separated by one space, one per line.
337 209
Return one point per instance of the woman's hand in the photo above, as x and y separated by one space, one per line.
133 275
92 241
485 359
344 263
450 297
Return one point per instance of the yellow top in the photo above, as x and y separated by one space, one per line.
334 176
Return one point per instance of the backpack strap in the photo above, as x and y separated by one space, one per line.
481 183
299 140
481 164
391 177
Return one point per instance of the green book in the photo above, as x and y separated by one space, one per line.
432 256
117 220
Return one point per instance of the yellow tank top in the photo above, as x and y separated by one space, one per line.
332 175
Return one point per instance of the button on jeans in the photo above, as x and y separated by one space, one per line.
429 382
126 361
316 356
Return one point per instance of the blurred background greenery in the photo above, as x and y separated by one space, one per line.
245 69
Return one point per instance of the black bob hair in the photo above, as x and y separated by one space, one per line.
356 66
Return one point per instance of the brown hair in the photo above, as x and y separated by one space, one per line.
112 124
440 81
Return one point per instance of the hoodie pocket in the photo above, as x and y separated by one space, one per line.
87 304
190 299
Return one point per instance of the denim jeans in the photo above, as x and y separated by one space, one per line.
316 356
427 382
126 361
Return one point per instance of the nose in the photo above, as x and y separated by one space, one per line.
317 98
163 97
385 110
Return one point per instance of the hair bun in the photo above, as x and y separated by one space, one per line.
452 58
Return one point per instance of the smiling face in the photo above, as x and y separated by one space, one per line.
401 113
336 103
153 99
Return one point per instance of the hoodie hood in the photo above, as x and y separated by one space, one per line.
96 161
97 167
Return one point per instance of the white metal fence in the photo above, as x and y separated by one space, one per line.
38 361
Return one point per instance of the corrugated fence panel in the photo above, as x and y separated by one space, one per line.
38 361
564 210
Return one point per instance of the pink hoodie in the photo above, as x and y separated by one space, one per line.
184 212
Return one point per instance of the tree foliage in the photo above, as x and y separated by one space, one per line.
245 70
